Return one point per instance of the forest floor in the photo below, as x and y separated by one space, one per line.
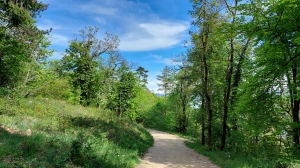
170 151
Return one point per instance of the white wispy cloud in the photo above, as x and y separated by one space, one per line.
164 29
157 57
97 9
152 36
59 40
169 61
161 59
137 26
100 20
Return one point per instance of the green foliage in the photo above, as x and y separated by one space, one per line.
56 89
237 83
11 60
65 135
238 80
17 13
144 101
82 59
83 77
229 159
122 99
165 80
142 73
22 45
156 118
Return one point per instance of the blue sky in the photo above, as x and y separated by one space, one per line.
151 31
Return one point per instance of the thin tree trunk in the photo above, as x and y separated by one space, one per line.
203 120
208 101
183 103
205 35
165 108
227 95
295 108
236 81
228 81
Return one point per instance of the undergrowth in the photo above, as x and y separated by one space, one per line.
65 135
227 159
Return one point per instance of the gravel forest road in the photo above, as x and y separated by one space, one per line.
169 151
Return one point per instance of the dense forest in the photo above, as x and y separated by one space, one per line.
234 90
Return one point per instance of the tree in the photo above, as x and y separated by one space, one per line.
182 87
22 45
121 101
206 14
183 83
109 68
194 58
229 73
277 52
142 72
242 76
165 81
17 13
82 59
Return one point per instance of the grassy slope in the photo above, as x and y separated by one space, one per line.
64 135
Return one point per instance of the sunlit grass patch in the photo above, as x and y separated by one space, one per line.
66 135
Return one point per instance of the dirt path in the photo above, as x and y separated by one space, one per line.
169 151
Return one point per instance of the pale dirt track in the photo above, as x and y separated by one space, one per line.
169 151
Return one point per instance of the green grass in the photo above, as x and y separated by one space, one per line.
65 135
226 159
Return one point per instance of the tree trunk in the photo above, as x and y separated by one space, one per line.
295 108
227 95
165 107
210 118
236 81
228 81
183 103
203 120
208 101
205 34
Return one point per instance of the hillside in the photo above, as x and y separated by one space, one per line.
50 133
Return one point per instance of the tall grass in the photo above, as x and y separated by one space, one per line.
65 135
